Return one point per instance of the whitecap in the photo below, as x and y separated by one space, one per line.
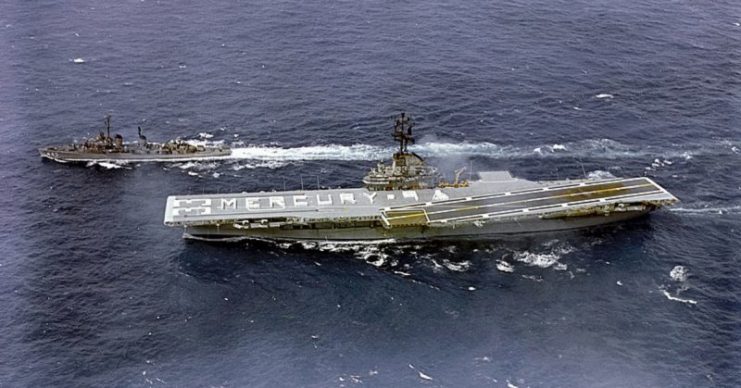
421 375
205 135
674 298
558 147
679 273
560 267
505 266
107 165
457 267
269 164
707 210
533 278
205 143
436 267
604 95
78 60
600 174
542 260
198 166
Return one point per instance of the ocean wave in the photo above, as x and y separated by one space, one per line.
107 165
549 258
269 164
197 166
719 210
504 266
677 299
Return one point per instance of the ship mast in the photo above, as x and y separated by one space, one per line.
108 125
403 132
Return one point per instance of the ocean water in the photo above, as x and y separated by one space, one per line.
96 292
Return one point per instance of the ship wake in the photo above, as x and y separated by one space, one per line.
590 148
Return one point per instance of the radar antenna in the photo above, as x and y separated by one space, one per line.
108 125
403 132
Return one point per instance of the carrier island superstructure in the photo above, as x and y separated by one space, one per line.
407 199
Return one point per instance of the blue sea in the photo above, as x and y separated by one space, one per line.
96 292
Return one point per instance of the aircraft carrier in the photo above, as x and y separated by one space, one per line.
105 148
407 200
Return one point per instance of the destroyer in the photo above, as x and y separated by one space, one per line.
105 148
407 199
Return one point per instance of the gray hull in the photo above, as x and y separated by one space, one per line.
462 232
130 157
495 205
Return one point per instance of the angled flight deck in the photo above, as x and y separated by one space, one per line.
548 200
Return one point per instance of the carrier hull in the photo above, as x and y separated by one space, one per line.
496 205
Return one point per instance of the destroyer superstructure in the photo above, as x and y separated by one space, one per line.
408 200
104 148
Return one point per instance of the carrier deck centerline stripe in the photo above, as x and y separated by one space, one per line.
407 200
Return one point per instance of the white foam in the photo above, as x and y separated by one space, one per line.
602 148
457 267
505 266
269 164
78 60
542 260
326 152
600 174
421 375
736 209
679 273
205 135
533 278
560 267
558 147
674 298
555 251
198 166
604 95
107 165
205 143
